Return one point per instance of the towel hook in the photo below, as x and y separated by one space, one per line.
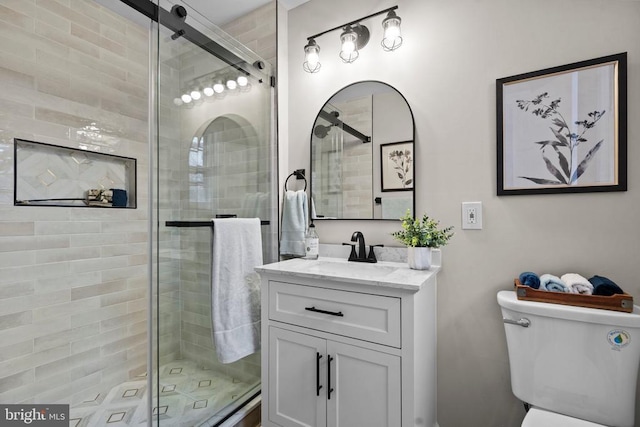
299 175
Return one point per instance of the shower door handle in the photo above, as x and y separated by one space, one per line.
318 386
329 389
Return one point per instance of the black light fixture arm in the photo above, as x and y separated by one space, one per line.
339 27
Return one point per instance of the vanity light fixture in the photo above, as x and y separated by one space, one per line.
311 62
354 37
349 42
392 35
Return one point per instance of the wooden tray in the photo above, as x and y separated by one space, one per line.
618 302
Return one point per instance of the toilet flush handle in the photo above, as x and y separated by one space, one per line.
524 322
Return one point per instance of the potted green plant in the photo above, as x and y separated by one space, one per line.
421 236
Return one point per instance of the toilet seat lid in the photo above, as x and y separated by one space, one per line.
541 418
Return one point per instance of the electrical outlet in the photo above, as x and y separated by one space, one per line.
472 215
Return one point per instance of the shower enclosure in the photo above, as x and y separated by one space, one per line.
213 155
106 308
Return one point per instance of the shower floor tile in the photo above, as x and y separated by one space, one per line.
189 396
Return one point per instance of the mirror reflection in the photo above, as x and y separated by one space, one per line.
362 151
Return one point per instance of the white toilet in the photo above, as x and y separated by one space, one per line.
574 366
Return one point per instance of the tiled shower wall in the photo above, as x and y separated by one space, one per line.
357 175
73 284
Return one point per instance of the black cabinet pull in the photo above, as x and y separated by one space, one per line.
317 310
329 389
318 386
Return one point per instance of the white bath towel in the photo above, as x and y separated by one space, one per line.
577 284
235 287
295 214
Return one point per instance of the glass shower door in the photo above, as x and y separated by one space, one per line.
214 157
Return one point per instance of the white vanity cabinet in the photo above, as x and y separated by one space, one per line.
348 344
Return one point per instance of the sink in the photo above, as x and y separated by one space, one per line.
351 269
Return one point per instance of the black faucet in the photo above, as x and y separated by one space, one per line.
358 237
361 254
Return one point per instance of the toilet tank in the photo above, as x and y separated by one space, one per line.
576 361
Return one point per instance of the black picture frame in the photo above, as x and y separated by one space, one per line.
396 166
563 129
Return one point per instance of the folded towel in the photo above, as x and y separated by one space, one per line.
294 223
235 287
604 286
549 282
528 278
577 284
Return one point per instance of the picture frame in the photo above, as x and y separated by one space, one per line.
563 129
396 166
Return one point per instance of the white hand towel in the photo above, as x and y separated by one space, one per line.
294 222
577 284
235 287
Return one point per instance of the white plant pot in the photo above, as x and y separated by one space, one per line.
419 258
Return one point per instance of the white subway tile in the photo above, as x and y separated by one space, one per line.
98 315
66 309
16 350
84 292
68 281
33 360
22 303
66 254
66 228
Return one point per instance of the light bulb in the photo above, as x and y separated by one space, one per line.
177 102
311 57
231 84
218 87
348 47
186 98
349 51
392 38
243 81
195 95
208 91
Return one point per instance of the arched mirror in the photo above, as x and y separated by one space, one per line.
362 152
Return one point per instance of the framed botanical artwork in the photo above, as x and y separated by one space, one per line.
396 166
563 129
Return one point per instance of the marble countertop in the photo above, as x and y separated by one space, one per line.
395 275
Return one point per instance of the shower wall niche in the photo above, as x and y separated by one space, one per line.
51 175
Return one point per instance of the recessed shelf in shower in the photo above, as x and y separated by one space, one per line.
52 175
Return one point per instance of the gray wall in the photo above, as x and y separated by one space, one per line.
452 54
